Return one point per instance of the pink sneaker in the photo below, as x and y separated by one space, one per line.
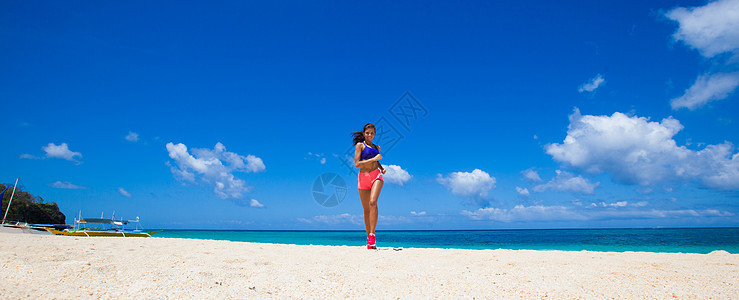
371 241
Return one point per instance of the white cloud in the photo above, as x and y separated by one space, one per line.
645 190
346 218
531 175
418 214
394 220
657 214
62 151
566 182
28 156
396 175
215 167
124 192
615 204
318 156
620 204
334 219
634 150
255 203
182 175
253 164
132 137
710 29
522 191
592 85
468 184
66 185
707 88
524 213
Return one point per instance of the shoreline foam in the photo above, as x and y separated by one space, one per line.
66 267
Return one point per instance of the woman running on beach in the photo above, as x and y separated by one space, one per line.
367 159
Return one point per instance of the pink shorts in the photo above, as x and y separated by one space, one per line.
366 180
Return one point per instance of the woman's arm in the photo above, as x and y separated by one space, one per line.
379 164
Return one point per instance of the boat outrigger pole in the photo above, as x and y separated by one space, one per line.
11 199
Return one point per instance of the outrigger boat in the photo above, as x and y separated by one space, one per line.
23 227
104 227
82 227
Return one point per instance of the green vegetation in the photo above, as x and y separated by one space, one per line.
29 208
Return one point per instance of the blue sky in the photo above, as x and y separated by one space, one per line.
529 114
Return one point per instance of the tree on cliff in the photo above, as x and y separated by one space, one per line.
29 208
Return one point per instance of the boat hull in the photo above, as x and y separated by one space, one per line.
24 229
92 233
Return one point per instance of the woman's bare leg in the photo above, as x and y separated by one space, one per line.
373 212
364 196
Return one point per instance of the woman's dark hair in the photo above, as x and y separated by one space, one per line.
359 135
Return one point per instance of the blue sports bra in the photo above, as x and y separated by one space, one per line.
369 152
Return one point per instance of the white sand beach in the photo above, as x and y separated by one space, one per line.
49 267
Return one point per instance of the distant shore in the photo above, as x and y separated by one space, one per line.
45 267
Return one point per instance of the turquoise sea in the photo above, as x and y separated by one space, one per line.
685 240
